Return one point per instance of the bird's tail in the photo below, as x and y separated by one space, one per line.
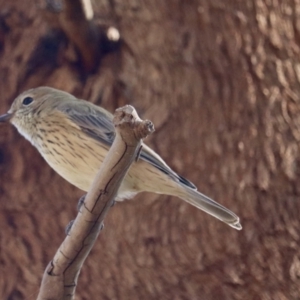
210 206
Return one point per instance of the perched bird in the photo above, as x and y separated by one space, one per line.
74 136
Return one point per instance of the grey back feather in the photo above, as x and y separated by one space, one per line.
92 119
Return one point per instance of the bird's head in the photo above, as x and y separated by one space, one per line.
31 106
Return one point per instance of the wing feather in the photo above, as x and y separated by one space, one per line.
92 119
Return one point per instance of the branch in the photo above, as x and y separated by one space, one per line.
60 277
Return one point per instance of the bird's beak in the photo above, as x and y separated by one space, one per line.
6 117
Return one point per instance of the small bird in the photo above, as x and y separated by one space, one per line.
74 136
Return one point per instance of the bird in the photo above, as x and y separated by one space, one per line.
74 136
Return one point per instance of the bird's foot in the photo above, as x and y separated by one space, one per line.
80 202
69 227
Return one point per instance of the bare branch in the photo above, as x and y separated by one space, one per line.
60 277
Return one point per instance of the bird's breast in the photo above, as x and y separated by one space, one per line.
72 154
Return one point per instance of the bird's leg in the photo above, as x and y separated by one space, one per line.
101 226
80 202
68 227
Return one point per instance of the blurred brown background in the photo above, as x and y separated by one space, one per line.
220 80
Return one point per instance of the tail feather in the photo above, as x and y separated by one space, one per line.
211 207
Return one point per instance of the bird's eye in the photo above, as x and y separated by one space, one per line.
27 100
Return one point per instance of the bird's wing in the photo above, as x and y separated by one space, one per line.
92 119
97 123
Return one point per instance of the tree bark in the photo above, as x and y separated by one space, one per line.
220 81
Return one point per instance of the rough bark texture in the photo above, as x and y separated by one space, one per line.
220 80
